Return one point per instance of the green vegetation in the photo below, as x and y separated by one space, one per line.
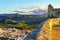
16 24
23 22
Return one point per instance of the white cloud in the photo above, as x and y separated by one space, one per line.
56 6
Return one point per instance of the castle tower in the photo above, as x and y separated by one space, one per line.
50 9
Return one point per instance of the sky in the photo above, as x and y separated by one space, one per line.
12 5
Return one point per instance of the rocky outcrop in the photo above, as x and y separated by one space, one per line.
49 30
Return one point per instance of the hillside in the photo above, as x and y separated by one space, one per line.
20 21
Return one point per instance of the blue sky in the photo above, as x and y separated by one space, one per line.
11 5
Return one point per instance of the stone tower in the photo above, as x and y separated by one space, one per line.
53 12
50 9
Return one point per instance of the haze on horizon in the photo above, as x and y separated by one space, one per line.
12 5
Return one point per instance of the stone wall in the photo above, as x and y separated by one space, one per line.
53 12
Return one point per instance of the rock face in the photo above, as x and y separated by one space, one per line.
49 30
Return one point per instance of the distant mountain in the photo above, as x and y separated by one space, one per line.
33 10
39 11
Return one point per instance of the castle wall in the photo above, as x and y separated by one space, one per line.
53 12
